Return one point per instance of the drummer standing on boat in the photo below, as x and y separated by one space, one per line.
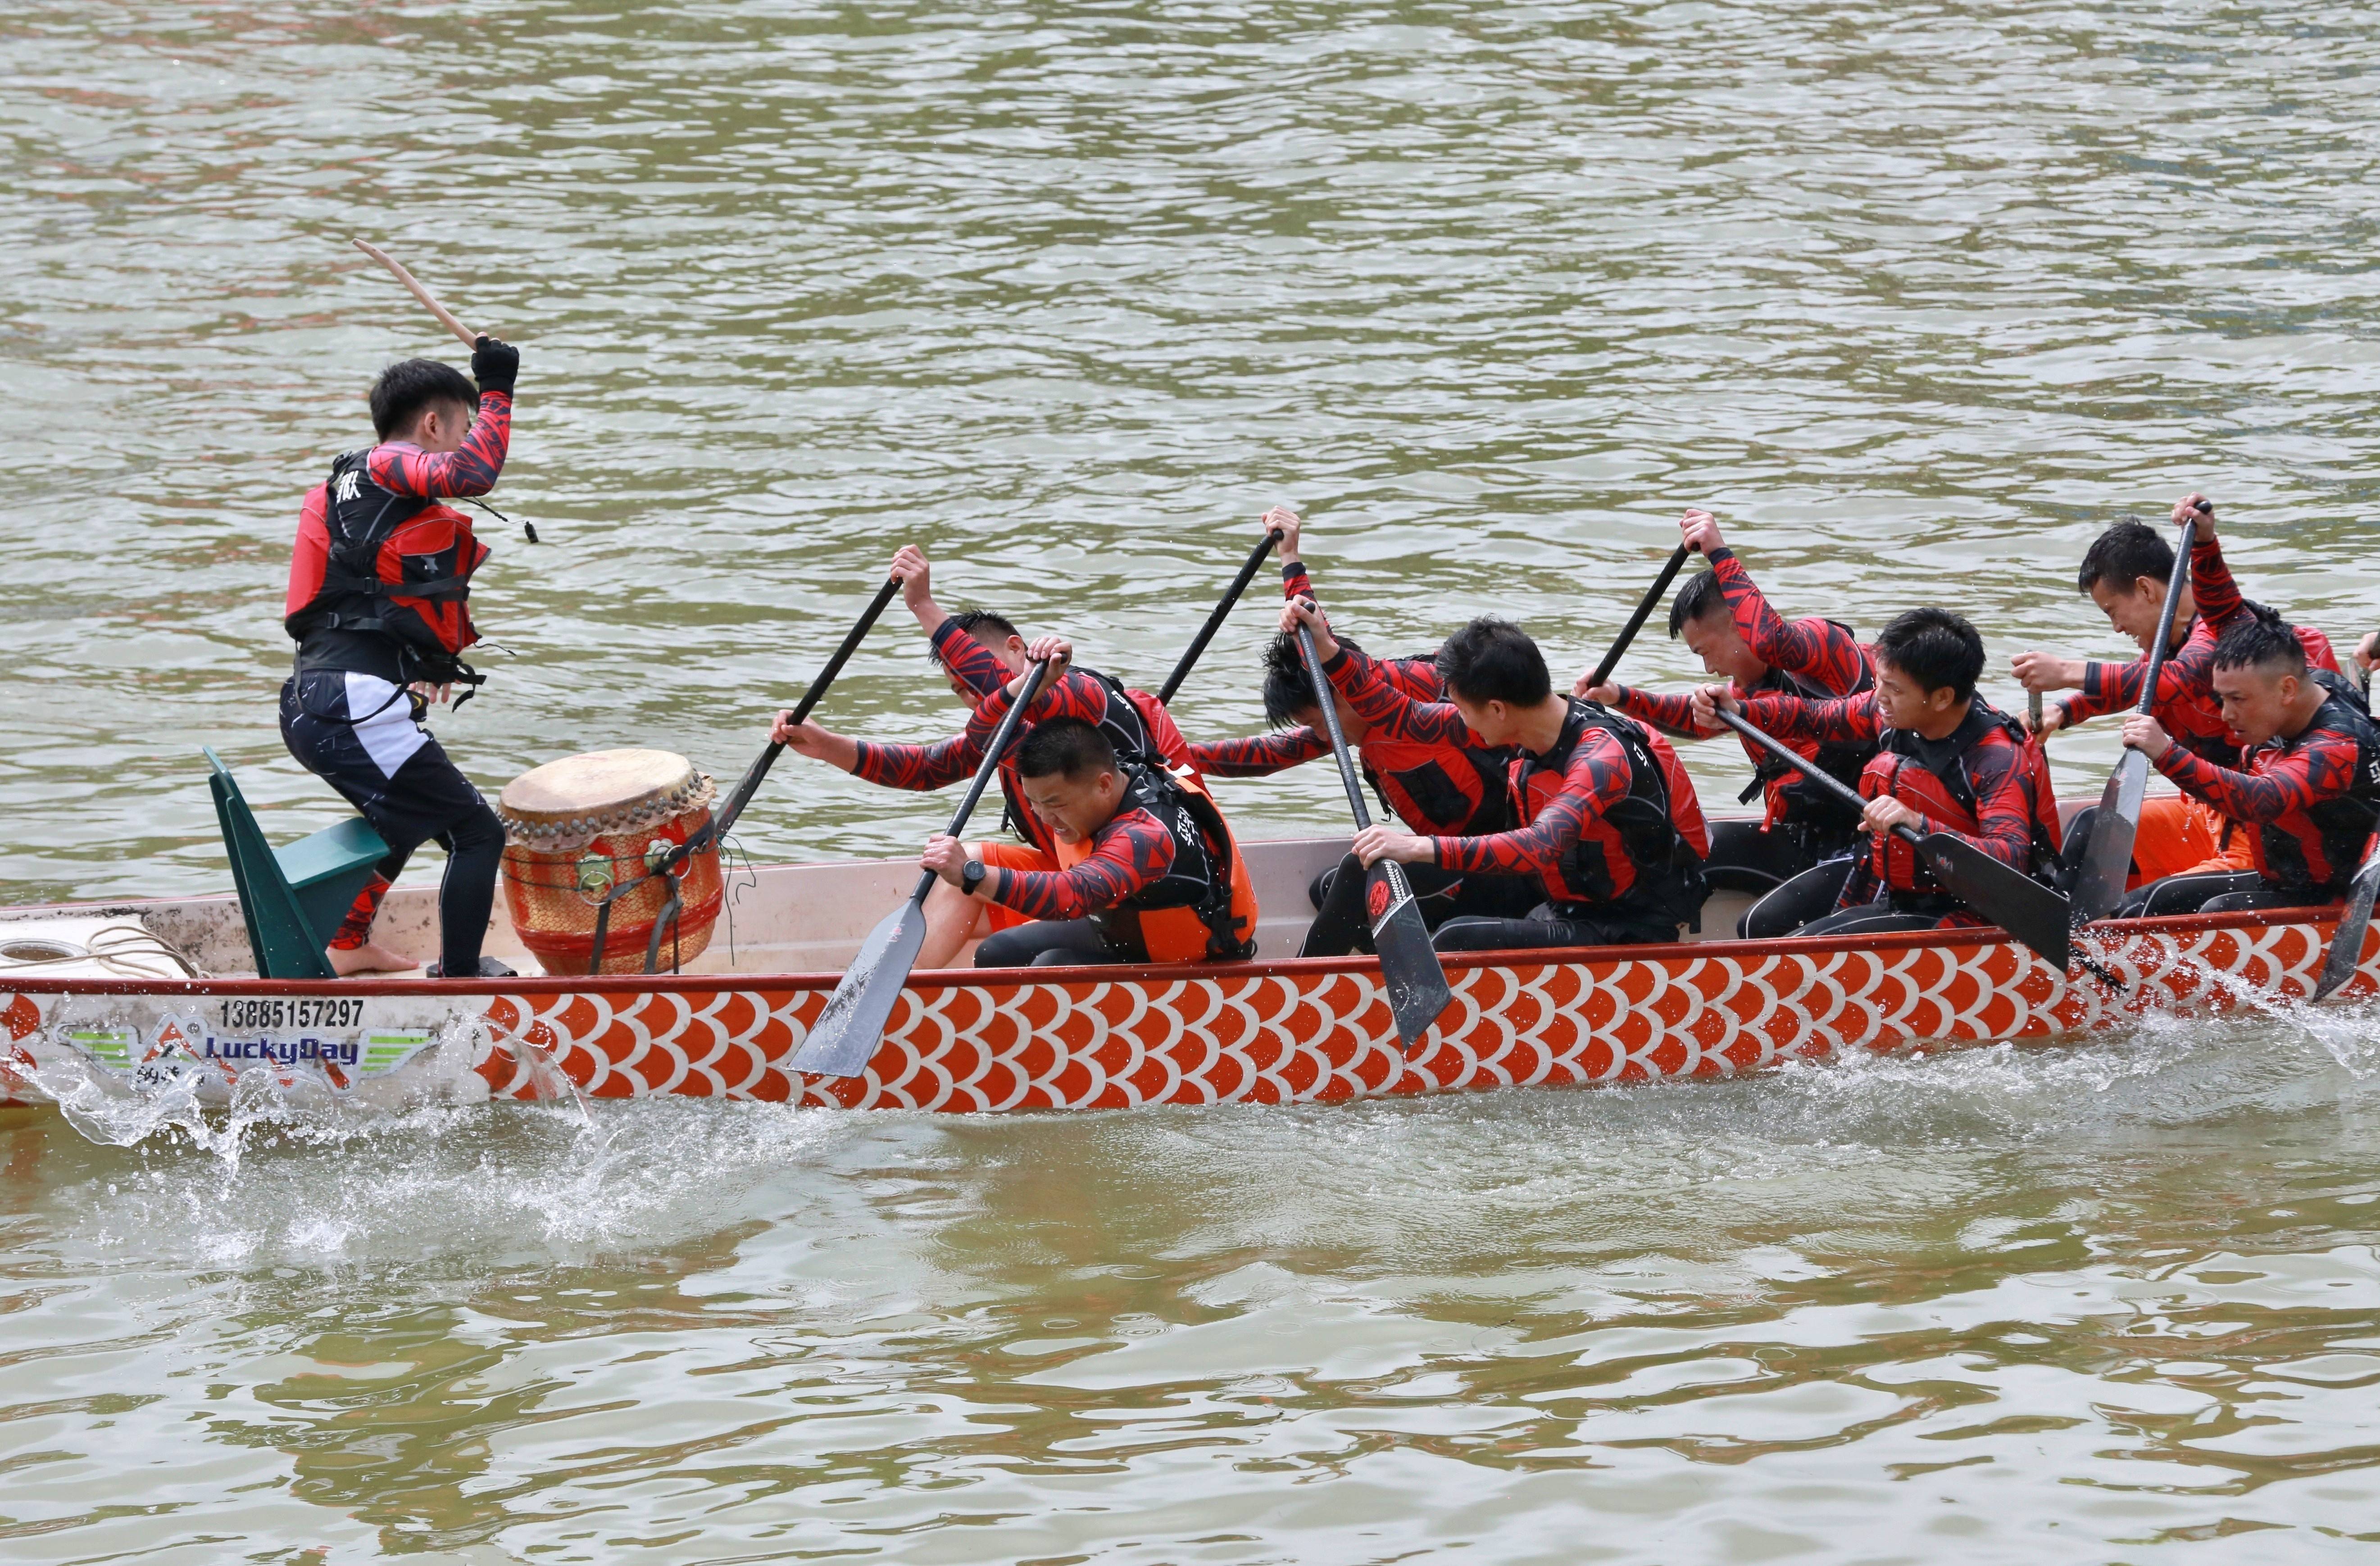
379 586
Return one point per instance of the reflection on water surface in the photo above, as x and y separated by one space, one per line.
1916 299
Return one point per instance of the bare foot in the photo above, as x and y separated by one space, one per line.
371 957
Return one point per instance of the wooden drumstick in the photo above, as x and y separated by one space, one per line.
470 338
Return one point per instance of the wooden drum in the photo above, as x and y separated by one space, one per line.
577 828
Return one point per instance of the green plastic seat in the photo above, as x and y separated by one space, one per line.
293 898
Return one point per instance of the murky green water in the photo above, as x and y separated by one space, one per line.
1915 297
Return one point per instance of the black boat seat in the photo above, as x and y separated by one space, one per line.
294 897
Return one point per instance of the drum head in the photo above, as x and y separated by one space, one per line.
603 791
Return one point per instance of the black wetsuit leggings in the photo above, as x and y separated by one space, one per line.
1443 895
2216 892
1571 923
1048 943
425 798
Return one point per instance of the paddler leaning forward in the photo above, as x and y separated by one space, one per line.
1610 828
379 589
1147 871
985 661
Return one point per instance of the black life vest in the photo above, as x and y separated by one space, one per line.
1665 867
1202 899
2325 850
399 566
1805 803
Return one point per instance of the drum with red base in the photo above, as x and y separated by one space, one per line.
577 827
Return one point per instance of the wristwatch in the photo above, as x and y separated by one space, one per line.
972 877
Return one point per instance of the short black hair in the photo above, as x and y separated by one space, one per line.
1699 597
1492 660
2261 640
1934 648
407 387
2122 555
1067 747
1287 690
980 623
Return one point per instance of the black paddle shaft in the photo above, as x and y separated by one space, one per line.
1843 792
2159 649
1644 612
719 825
992 755
2107 858
1215 621
1329 709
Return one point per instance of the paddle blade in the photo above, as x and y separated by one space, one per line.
2107 863
2346 941
847 1034
1409 967
1340 923
2015 902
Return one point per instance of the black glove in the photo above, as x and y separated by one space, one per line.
494 364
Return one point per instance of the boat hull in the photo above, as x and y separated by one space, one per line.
1109 1039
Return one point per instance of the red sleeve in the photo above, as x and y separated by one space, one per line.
1132 851
2211 587
1814 649
921 766
311 558
1259 755
472 469
1295 583
2324 767
1670 714
968 660
1851 720
1595 780
1395 715
2115 688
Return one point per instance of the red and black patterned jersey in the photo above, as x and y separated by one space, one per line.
1985 781
1815 658
1415 676
2186 707
2312 798
1132 851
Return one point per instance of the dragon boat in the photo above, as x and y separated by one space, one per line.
127 997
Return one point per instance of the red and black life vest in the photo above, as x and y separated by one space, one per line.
1638 848
2322 844
1416 784
1806 804
397 566
1945 793
1203 908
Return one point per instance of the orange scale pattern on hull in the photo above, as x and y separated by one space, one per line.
1323 1034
